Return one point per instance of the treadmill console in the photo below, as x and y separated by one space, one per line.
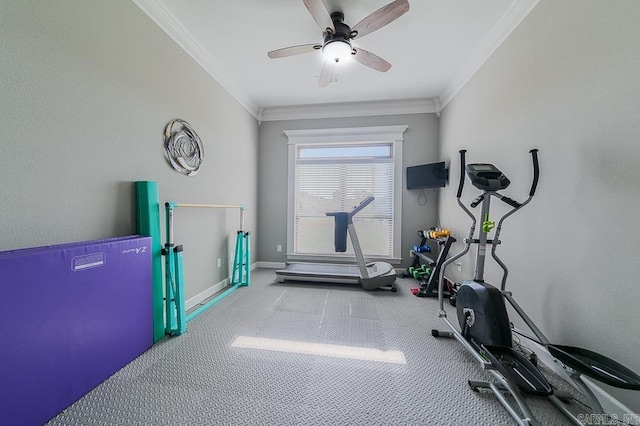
486 177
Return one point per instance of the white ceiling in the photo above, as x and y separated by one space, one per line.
434 48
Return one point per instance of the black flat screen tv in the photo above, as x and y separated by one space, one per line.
434 175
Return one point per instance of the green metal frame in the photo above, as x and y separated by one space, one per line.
175 312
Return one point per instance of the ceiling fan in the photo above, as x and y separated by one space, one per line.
338 35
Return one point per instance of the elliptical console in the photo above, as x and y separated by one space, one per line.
486 177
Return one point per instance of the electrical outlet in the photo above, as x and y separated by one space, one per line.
278 248
410 253
219 262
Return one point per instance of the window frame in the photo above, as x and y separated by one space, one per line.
393 135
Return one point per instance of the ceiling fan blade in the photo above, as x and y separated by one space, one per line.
381 17
372 61
327 73
319 11
293 50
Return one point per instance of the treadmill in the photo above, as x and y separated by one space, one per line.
369 276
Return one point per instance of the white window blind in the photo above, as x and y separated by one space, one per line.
337 178
334 169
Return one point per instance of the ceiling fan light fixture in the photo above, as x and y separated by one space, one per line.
337 50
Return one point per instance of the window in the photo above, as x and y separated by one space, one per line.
333 170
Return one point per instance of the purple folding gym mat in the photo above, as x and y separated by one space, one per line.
72 315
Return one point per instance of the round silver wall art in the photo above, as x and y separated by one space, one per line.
183 147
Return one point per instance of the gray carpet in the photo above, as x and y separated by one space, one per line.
200 379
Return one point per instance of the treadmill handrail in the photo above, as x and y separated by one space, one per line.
364 203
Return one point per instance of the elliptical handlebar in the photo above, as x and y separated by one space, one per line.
534 185
467 244
462 167
536 171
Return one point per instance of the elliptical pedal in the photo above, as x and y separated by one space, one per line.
518 369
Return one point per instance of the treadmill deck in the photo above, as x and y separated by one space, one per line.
321 269
331 272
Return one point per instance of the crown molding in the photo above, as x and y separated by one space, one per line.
509 22
167 22
348 109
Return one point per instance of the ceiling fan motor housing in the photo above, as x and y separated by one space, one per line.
343 31
341 37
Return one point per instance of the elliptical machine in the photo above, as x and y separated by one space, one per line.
486 331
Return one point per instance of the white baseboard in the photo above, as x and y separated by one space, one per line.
612 405
203 295
608 402
271 265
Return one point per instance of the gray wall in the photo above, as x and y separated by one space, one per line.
86 90
566 82
420 146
